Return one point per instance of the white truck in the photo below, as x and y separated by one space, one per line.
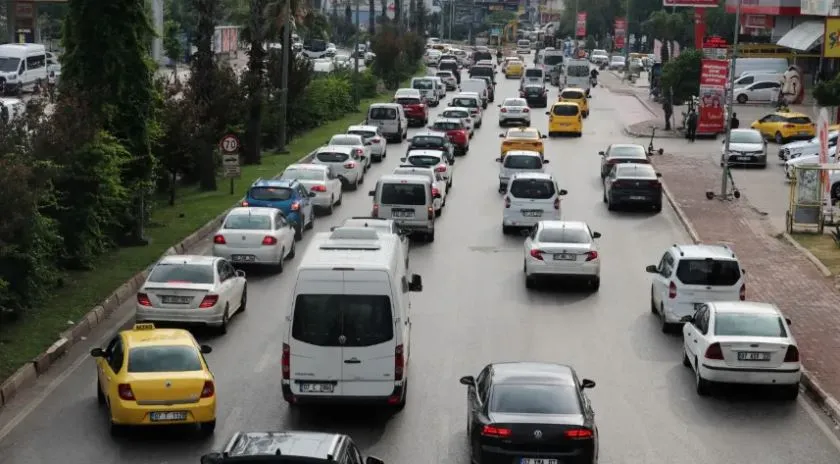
576 73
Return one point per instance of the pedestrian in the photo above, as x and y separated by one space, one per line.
691 126
734 123
51 84
669 112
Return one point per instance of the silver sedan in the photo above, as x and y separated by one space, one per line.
514 111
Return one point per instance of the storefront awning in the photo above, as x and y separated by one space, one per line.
803 37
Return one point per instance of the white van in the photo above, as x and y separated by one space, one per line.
523 46
765 65
478 86
409 201
350 324
22 65
428 89
390 119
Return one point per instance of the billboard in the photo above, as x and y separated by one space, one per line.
620 32
580 25
713 79
691 3
831 41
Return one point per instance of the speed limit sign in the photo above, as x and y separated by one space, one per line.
229 144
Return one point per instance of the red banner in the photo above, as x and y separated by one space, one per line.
713 78
580 26
620 32
699 27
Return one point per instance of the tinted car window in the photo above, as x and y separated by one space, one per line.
754 325
478 56
163 359
408 101
635 171
515 102
423 84
708 272
403 194
188 273
330 157
303 174
567 235
248 222
447 126
423 160
565 110
577 70
522 162
455 114
450 65
534 399
799 120
572 95
481 71
427 141
363 319
551 60
270 193
539 189
344 140
364 134
383 113
465 102
627 151
534 89
533 72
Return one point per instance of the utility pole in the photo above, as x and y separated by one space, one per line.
284 76
627 38
356 59
729 94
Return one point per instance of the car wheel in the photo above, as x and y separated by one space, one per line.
329 209
652 302
610 206
207 428
293 251
604 195
311 222
686 361
595 283
702 385
657 207
100 397
298 231
439 212
665 326
225 319
384 154
502 188
430 236
530 282
507 230
116 430
243 302
742 99
790 392
778 138
340 197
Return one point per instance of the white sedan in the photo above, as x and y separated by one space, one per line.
514 111
743 342
320 180
356 142
378 146
562 249
799 148
746 147
457 112
251 235
431 158
808 159
192 290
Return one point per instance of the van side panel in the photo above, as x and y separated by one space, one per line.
368 371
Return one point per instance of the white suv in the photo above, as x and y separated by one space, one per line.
690 275
530 197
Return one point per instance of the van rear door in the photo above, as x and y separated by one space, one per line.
404 201
370 330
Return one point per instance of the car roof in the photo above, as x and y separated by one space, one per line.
188 259
308 167
459 108
363 128
346 149
417 152
394 178
281 183
514 98
533 175
384 105
532 372
362 221
790 114
572 89
146 334
564 225
429 133
467 94
254 210
745 130
443 119
522 153
565 103
753 307
518 131
702 250
406 90
316 445
346 135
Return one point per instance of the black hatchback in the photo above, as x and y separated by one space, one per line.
535 95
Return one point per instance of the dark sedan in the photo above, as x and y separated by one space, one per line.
535 95
620 153
530 413
633 184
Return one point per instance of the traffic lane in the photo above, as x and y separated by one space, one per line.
245 362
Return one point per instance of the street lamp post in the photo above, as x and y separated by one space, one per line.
284 76
356 57
729 93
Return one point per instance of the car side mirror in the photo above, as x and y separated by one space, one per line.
602 153
652 269
206 349
544 136
687 319
373 460
468 380
312 194
416 284
211 458
586 383
402 159
372 193
548 113
498 160
589 96
596 235
743 272
97 352
240 273
563 192
788 321
658 174
501 136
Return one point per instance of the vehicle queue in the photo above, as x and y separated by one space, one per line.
349 331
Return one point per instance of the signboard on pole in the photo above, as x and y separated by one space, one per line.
831 41
229 144
713 79
822 136
580 25
620 32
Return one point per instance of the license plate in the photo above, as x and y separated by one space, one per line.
564 257
316 387
168 299
753 356
743 158
530 213
804 133
403 214
514 111
538 461
637 198
168 416
243 258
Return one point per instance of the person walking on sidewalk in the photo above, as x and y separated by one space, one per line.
734 123
691 125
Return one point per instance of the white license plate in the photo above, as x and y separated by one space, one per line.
538 461
743 158
175 299
637 198
564 257
317 387
753 356
168 416
403 214
243 258
804 133
529 213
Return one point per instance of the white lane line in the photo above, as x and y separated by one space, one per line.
269 355
232 423
819 419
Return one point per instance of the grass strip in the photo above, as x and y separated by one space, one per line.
823 247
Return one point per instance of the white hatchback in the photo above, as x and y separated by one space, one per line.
318 179
356 142
562 249
530 197
518 161
345 162
378 146
456 112
431 158
251 235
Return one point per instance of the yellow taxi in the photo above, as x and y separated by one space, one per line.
522 138
149 376
514 69
575 95
565 117
782 127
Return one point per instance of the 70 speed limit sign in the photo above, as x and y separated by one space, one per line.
229 144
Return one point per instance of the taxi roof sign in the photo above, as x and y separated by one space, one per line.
144 326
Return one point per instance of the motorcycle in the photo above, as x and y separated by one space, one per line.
593 81
602 66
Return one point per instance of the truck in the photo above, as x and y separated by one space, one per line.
576 73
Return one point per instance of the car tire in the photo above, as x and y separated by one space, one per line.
439 212
329 209
506 230
311 222
604 194
206 429
502 188
530 282
430 236
595 283
665 326
243 302
223 327
100 397
384 154
116 430
298 231
657 207
340 198
742 99
686 361
293 251
790 392
778 138
610 206
702 385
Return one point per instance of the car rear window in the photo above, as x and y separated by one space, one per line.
749 325
423 84
522 162
712 272
534 89
447 126
180 272
424 141
627 152
383 113
799 120
412 194
465 102
551 60
303 174
538 189
481 71
478 56
344 140
517 398
408 101
515 102
248 222
174 358
533 72
636 170
423 160
565 110
445 75
565 235
363 320
451 65
456 114
331 157
364 134
572 95
272 193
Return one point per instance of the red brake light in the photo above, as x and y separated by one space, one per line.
269 240
440 169
556 203
591 255
209 301
507 202
435 191
244 203
350 165
742 294
672 290
788 126
208 390
537 254
286 361
493 431
125 393
295 206
430 212
578 434
376 140
318 188
375 212
792 354
219 240
143 299
358 151
503 110
399 363
526 110
714 352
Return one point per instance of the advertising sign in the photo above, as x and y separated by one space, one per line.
691 3
831 44
580 25
816 7
822 136
620 32
713 78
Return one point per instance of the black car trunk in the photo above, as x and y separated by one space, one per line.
542 433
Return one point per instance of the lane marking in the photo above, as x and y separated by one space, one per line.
266 359
819 419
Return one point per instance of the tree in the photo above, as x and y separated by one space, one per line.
827 94
203 85
422 16
682 75
412 15
667 27
254 81
172 43
386 45
500 17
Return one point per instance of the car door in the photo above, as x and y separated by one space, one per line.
694 333
226 283
105 365
760 91
305 202
284 231
476 396
660 279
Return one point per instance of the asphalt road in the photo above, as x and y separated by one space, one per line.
474 309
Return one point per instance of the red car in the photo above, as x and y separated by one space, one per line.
415 108
456 132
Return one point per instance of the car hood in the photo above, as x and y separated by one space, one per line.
746 147
799 144
805 159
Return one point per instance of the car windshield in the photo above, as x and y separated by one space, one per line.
408 101
331 157
456 114
164 358
564 235
522 162
798 120
515 102
364 134
516 398
271 193
9 64
533 72
412 194
577 70
572 95
749 325
514 63
303 174
524 43
538 189
424 84
551 60
423 160
182 273
465 102
709 272
342 320
425 141
635 170
241 221
745 137
626 151
383 113
344 140
521 134
447 126
565 110
478 56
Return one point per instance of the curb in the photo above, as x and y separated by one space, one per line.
29 373
812 386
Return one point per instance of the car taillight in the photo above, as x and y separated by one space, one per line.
430 212
474 111
358 151
591 255
493 431
269 240
788 126
672 290
208 390
619 184
375 211
655 184
556 203
376 140
521 94
209 301
399 363
318 188
244 203
503 110
125 392
286 361
537 254
143 299
792 354
295 206
714 352
349 165
578 434
219 239
526 110
742 294
507 202
435 191
440 169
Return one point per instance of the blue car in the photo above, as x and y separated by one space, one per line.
287 195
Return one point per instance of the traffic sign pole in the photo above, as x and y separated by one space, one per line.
229 145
